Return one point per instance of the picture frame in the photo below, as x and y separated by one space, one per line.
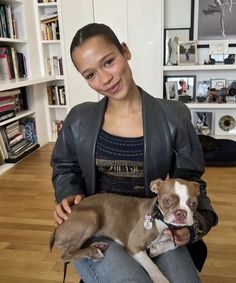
171 38
186 85
171 90
203 122
218 84
214 21
187 52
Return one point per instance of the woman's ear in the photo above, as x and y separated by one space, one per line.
126 51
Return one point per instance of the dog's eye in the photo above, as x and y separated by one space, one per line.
193 204
167 202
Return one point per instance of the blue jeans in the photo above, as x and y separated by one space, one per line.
119 267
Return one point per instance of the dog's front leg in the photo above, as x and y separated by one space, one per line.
151 268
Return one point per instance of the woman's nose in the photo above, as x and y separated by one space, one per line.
106 76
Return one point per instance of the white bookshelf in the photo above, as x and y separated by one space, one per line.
26 43
202 72
49 48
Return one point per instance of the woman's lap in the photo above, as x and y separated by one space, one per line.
118 267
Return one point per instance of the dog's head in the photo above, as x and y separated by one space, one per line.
177 200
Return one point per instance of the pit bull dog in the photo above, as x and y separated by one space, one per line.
136 223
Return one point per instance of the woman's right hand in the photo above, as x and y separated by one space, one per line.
64 208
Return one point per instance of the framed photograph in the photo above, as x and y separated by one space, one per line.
203 122
186 86
171 38
214 20
171 90
218 83
187 52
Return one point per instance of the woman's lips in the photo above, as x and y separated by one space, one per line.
114 88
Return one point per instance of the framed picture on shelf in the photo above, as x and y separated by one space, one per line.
214 20
187 52
171 38
186 86
203 122
218 83
171 90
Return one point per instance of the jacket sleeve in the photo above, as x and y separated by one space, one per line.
188 163
67 177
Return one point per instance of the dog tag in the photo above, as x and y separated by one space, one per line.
148 222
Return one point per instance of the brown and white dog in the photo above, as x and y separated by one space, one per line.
136 223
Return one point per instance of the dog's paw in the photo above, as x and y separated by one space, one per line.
154 251
98 256
102 246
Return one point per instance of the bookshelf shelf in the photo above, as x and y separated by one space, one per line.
19 115
5 85
52 4
13 40
57 41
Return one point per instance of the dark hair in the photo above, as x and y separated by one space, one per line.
91 30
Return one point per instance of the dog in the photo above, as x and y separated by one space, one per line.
145 219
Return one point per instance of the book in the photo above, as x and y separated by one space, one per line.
5 115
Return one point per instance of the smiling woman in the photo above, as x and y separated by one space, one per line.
116 145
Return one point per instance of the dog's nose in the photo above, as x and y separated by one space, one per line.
180 214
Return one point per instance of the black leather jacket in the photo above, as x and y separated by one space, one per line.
171 147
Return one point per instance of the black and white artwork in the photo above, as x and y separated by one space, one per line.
203 122
216 19
172 38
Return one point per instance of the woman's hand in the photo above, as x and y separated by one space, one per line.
181 235
64 208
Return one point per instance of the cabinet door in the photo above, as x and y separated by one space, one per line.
74 15
114 14
145 25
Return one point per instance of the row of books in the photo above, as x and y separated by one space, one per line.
8 24
50 26
56 95
11 102
54 66
18 139
56 128
12 63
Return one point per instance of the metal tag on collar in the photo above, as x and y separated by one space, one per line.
148 222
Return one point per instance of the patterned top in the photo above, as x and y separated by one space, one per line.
119 163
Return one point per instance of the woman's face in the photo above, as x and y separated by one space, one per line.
104 68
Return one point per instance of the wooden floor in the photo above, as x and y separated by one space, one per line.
26 205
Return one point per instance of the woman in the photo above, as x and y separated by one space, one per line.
119 145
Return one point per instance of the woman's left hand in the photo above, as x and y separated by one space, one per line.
181 235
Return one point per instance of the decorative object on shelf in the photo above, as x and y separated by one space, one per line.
171 39
230 59
225 122
187 52
218 84
172 90
202 90
217 95
186 87
215 19
203 122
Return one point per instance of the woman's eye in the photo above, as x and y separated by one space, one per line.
109 62
89 76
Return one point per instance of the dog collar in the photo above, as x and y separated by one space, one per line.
148 222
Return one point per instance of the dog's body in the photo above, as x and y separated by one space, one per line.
128 221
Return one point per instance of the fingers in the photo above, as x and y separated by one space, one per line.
64 208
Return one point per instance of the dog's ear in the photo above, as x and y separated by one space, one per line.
196 188
156 185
